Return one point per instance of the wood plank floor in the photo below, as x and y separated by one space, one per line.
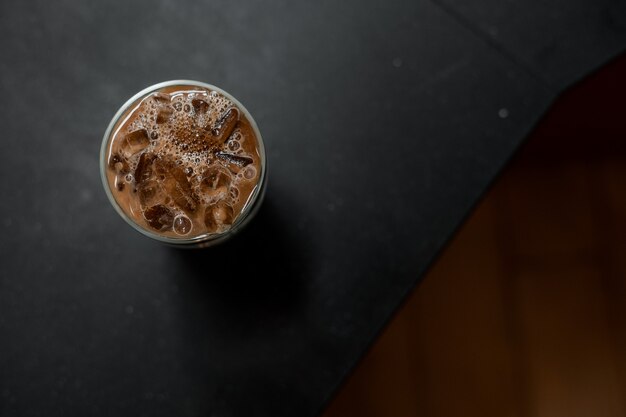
524 313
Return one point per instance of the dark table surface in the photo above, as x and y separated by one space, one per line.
383 121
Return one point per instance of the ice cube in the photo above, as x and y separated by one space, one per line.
176 184
159 217
162 98
134 142
150 193
145 169
225 125
149 190
215 182
209 220
217 216
234 161
182 225
164 114
199 105
223 213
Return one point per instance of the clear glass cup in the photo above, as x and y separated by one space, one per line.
208 239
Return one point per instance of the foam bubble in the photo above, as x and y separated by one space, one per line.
233 145
182 225
249 172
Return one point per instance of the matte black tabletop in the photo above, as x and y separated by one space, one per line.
383 121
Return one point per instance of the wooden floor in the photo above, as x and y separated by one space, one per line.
524 313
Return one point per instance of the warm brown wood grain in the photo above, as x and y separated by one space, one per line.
524 314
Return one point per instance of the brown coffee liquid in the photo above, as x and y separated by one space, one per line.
183 162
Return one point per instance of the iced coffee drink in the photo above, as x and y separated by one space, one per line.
184 162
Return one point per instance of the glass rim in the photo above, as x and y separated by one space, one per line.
209 238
